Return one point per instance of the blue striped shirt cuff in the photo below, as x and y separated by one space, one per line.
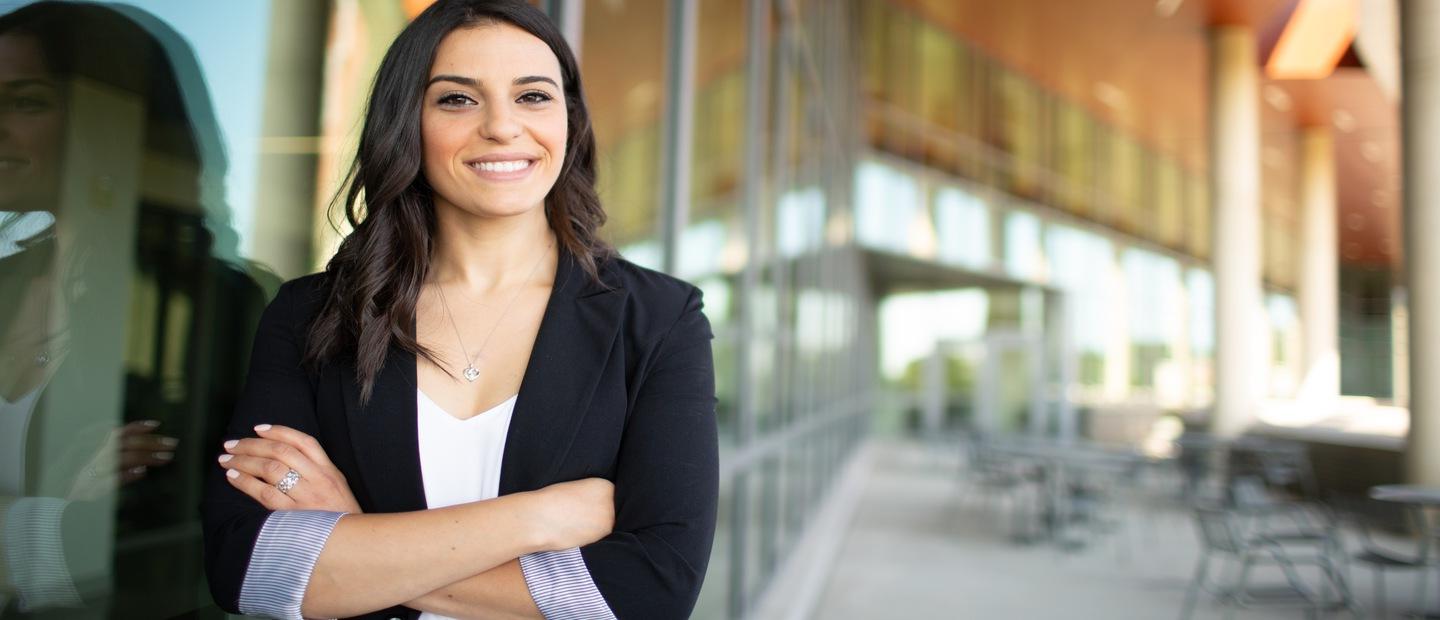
561 586
32 547
280 565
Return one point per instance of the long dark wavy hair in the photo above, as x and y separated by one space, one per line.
372 284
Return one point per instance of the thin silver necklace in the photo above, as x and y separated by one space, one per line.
470 372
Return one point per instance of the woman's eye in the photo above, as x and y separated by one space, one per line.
534 96
26 104
453 99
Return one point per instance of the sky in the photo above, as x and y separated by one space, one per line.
229 40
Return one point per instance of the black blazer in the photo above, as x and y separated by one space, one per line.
620 385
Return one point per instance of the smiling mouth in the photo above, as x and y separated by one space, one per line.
502 167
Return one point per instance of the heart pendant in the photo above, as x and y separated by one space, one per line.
471 374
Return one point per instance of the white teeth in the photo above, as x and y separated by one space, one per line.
502 166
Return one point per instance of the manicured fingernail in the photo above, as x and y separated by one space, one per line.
230 445
150 423
137 470
230 473
225 458
262 428
164 456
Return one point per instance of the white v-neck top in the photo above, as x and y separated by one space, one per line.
460 459
14 428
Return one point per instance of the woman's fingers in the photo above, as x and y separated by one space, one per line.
286 454
139 427
137 458
280 449
259 490
269 470
153 443
306 444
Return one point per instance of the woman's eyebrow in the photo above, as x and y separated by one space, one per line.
531 79
474 83
458 79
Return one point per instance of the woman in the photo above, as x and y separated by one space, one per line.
474 281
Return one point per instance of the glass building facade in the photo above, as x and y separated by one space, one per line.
858 189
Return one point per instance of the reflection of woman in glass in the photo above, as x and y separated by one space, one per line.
472 370
90 371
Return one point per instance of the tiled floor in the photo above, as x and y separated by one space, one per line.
918 549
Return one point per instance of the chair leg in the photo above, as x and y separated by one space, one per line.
1420 587
1341 579
1338 580
1292 576
1380 592
1197 584
1237 592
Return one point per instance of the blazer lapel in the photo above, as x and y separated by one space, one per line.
385 436
576 334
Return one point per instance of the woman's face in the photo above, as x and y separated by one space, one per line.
31 119
493 122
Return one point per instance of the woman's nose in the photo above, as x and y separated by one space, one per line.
500 124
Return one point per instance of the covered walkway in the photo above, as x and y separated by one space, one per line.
918 546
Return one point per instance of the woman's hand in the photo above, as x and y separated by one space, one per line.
256 465
127 454
574 514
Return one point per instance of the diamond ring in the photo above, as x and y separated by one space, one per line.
287 482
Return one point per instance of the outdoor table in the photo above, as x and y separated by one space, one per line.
1421 498
1059 464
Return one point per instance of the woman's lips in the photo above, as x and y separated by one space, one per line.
510 170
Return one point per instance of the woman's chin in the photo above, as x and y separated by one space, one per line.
502 210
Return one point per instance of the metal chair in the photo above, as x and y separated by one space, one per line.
1000 477
1223 537
1301 527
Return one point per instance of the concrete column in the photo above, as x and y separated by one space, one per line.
1319 272
1420 132
1241 357
290 144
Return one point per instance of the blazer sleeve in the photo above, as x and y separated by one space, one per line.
277 391
666 482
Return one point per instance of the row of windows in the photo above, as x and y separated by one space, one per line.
937 100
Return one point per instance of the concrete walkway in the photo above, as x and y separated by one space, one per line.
917 548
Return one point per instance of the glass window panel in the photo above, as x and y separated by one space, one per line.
1076 257
1200 289
622 61
1074 158
1153 287
1197 216
1123 183
1018 109
962 224
1024 254
719 131
1169 204
1284 323
132 276
886 200
940 85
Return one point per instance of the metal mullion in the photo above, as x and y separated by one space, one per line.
678 131
757 80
